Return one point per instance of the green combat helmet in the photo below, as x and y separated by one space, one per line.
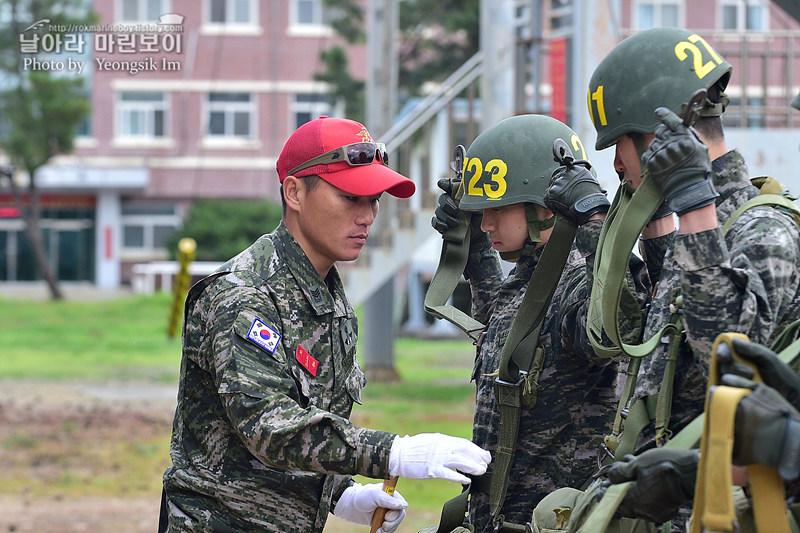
653 68
512 162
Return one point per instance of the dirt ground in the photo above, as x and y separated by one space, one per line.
59 442
56 440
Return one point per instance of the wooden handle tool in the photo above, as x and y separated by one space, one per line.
380 512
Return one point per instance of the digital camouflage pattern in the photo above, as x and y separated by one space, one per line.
560 437
747 282
259 442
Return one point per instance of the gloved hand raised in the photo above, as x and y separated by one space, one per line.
448 216
678 161
437 456
767 428
663 481
773 371
358 503
574 193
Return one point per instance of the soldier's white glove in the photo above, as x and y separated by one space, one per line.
358 503
437 456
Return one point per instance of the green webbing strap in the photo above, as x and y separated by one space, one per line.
601 515
594 321
685 439
453 512
612 441
689 436
785 339
663 409
453 259
762 199
517 354
518 351
664 404
639 417
793 514
624 225
658 410
628 215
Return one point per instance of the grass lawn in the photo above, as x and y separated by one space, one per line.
125 341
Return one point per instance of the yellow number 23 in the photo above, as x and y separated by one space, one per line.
494 186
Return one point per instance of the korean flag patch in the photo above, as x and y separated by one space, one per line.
263 335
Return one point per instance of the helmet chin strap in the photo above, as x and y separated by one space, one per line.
715 109
535 226
641 148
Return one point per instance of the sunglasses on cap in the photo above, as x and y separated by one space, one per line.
355 154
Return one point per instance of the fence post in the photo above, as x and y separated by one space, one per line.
186 253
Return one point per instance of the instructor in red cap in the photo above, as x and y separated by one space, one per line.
262 439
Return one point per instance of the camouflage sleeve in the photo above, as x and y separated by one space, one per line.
576 287
744 285
653 251
485 277
271 413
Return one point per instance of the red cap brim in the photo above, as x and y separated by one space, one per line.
369 180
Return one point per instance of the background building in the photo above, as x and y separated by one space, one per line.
202 106
198 108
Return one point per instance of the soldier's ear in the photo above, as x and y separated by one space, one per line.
292 192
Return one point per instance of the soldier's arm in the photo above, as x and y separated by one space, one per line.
574 307
652 251
485 277
744 283
269 411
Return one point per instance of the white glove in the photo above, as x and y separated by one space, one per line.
358 503
434 456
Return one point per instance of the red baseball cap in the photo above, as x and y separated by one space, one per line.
324 134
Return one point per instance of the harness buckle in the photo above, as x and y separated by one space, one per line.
520 381
604 452
662 437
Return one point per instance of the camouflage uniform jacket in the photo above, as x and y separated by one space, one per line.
559 437
747 282
261 439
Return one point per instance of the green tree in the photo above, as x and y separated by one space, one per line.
223 228
344 87
436 37
347 19
40 109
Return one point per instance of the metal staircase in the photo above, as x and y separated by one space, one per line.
420 145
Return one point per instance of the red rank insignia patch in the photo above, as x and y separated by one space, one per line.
308 362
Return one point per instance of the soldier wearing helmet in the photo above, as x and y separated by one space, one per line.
511 187
746 280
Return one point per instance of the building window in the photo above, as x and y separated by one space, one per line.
231 115
657 13
231 12
309 106
310 13
141 10
741 15
147 227
142 114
